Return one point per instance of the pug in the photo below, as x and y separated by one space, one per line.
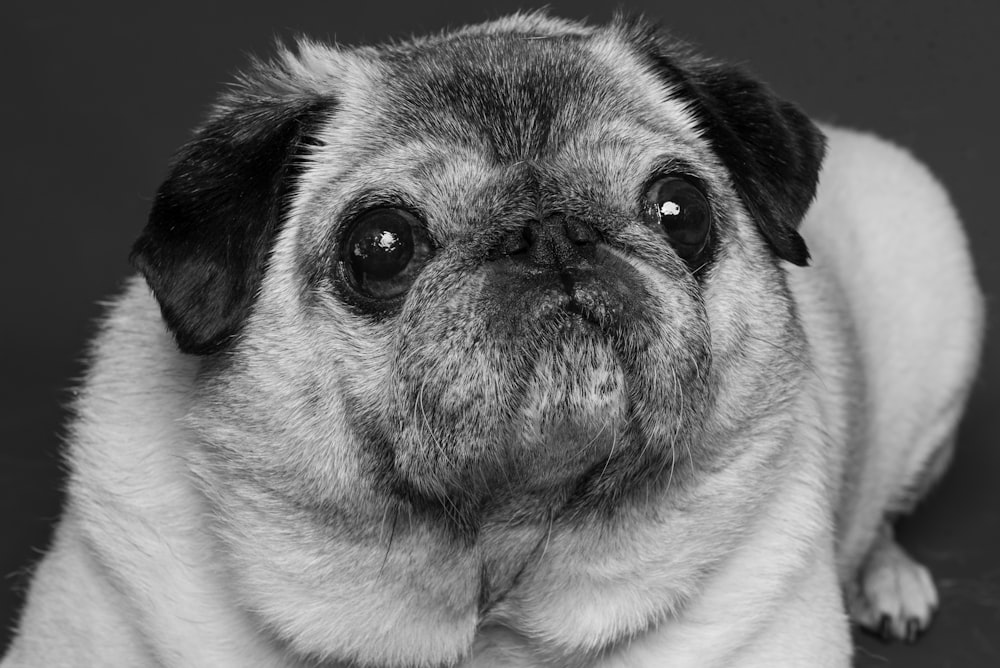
528 344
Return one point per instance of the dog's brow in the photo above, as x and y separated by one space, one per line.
514 101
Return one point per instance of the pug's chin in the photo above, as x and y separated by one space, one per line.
575 407
573 418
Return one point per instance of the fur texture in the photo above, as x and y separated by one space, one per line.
585 454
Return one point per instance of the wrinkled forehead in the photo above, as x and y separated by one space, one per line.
517 97
510 97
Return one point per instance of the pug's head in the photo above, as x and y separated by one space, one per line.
516 276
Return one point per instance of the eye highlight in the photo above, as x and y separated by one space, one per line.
681 211
382 252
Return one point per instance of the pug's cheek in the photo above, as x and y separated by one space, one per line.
450 407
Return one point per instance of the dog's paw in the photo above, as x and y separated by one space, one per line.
894 596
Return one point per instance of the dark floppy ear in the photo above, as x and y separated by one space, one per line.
215 218
772 150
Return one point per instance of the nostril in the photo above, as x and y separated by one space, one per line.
529 233
517 241
556 238
580 233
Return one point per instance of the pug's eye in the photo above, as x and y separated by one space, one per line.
681 210
383 251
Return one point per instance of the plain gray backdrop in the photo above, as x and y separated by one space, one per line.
97 96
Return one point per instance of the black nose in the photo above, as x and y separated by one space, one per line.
555 242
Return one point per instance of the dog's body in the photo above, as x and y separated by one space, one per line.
688 468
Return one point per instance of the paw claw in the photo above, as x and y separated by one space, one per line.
894 596
885 628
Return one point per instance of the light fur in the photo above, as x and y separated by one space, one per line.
220 514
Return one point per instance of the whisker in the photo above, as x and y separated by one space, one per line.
392 537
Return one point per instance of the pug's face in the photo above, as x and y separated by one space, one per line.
525 270
511 268
513 261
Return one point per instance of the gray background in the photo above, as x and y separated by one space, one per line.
96 97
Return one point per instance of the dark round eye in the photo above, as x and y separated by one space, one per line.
383 252
681 210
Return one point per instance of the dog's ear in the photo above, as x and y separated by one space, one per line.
215 218
772 150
